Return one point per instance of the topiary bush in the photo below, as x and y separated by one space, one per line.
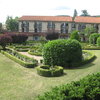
75 35
66 53
47 71
93 38
98 41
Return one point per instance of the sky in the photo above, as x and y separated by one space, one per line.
46 7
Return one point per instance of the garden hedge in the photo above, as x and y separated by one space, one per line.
87 88
98 41
93 38
21 62
47 71
75 35
65 53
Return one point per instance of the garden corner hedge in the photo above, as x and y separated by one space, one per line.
21 62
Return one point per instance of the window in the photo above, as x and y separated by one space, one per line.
64 28
81 26
73 25
25 26
51 26
38 27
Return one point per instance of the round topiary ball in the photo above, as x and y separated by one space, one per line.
98 41
66 53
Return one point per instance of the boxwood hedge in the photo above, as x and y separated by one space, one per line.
66 53
47 71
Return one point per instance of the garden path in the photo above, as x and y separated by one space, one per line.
32 56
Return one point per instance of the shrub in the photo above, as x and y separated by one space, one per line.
93 38
87 88
75 35
98 41
46 70
4 40
66 53
18 38
52 36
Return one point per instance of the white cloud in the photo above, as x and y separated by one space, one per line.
46 7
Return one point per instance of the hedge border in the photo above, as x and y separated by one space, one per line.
32 53
49 72
25 64
89 59
91 48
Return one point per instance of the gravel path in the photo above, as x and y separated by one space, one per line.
32 56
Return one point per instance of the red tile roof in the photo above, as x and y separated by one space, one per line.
46 18
83 19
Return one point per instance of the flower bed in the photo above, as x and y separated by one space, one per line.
19 58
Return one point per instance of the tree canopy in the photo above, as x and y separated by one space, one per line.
12 23
84 13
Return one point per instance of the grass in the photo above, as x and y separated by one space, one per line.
20 83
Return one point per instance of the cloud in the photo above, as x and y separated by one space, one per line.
62 8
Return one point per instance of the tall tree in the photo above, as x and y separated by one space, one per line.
84 13
75 14
12 23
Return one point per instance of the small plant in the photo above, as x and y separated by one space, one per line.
75 35
93 38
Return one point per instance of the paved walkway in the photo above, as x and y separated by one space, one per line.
32 56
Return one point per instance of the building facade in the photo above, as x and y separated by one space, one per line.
57 24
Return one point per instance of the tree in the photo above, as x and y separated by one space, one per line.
84 13
87 32
4 40
75 14
12 24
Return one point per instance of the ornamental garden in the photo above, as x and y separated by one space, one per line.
57 56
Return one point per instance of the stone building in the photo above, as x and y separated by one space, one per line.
58 24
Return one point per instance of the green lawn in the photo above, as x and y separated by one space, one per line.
19 83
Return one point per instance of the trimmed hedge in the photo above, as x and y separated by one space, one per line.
66 53
21 62
87 58
91 48
93 38
46 70
98 41
87 88
35 53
